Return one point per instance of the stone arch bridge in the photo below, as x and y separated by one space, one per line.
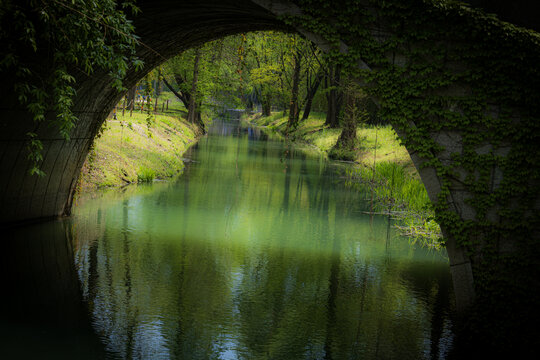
169 27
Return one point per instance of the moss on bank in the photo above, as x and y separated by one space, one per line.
137 147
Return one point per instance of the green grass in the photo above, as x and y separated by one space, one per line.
146 174
128 145
399 193
395 183
313 131
392 185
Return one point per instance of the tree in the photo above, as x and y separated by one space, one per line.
311 89
264 68
185 70
344 148
208 77
194 113
294 112
334 95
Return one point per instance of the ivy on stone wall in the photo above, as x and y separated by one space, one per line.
462 89
444 67
46 45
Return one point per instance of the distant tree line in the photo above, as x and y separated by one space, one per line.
265 71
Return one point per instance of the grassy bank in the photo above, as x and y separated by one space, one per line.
314 132
382 168
137 148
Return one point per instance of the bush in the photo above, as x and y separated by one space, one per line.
145 174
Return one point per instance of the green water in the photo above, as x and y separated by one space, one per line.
258 251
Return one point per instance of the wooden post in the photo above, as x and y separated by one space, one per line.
124 107
155 106
167 105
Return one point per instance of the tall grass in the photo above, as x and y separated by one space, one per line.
394 182
145 174
402 195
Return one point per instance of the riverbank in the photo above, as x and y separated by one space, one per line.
382 168
137 148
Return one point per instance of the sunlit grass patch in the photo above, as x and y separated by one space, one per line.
129 144
146 174
388 147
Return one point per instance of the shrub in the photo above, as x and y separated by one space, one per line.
145 174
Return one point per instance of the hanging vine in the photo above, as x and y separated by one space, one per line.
45 43
443 67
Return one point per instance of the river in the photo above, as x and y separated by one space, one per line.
257 251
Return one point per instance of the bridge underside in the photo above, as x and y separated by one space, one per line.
165 28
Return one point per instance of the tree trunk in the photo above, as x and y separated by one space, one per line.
181 96
334 96
199 122
193 108
294 112
249 105
266 105
312 90
159 86
347 138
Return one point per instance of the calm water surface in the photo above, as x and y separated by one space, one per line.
258 251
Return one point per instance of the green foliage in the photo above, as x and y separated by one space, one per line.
414 95
146 174
270 62
442 67
66 37
397 188
401 194
219 82
338 153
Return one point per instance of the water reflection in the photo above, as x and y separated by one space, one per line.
43 315
256 252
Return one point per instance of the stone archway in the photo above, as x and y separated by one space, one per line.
166 28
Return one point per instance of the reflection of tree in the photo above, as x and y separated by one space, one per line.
432 286
126 284
266 262
333 284
286 159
